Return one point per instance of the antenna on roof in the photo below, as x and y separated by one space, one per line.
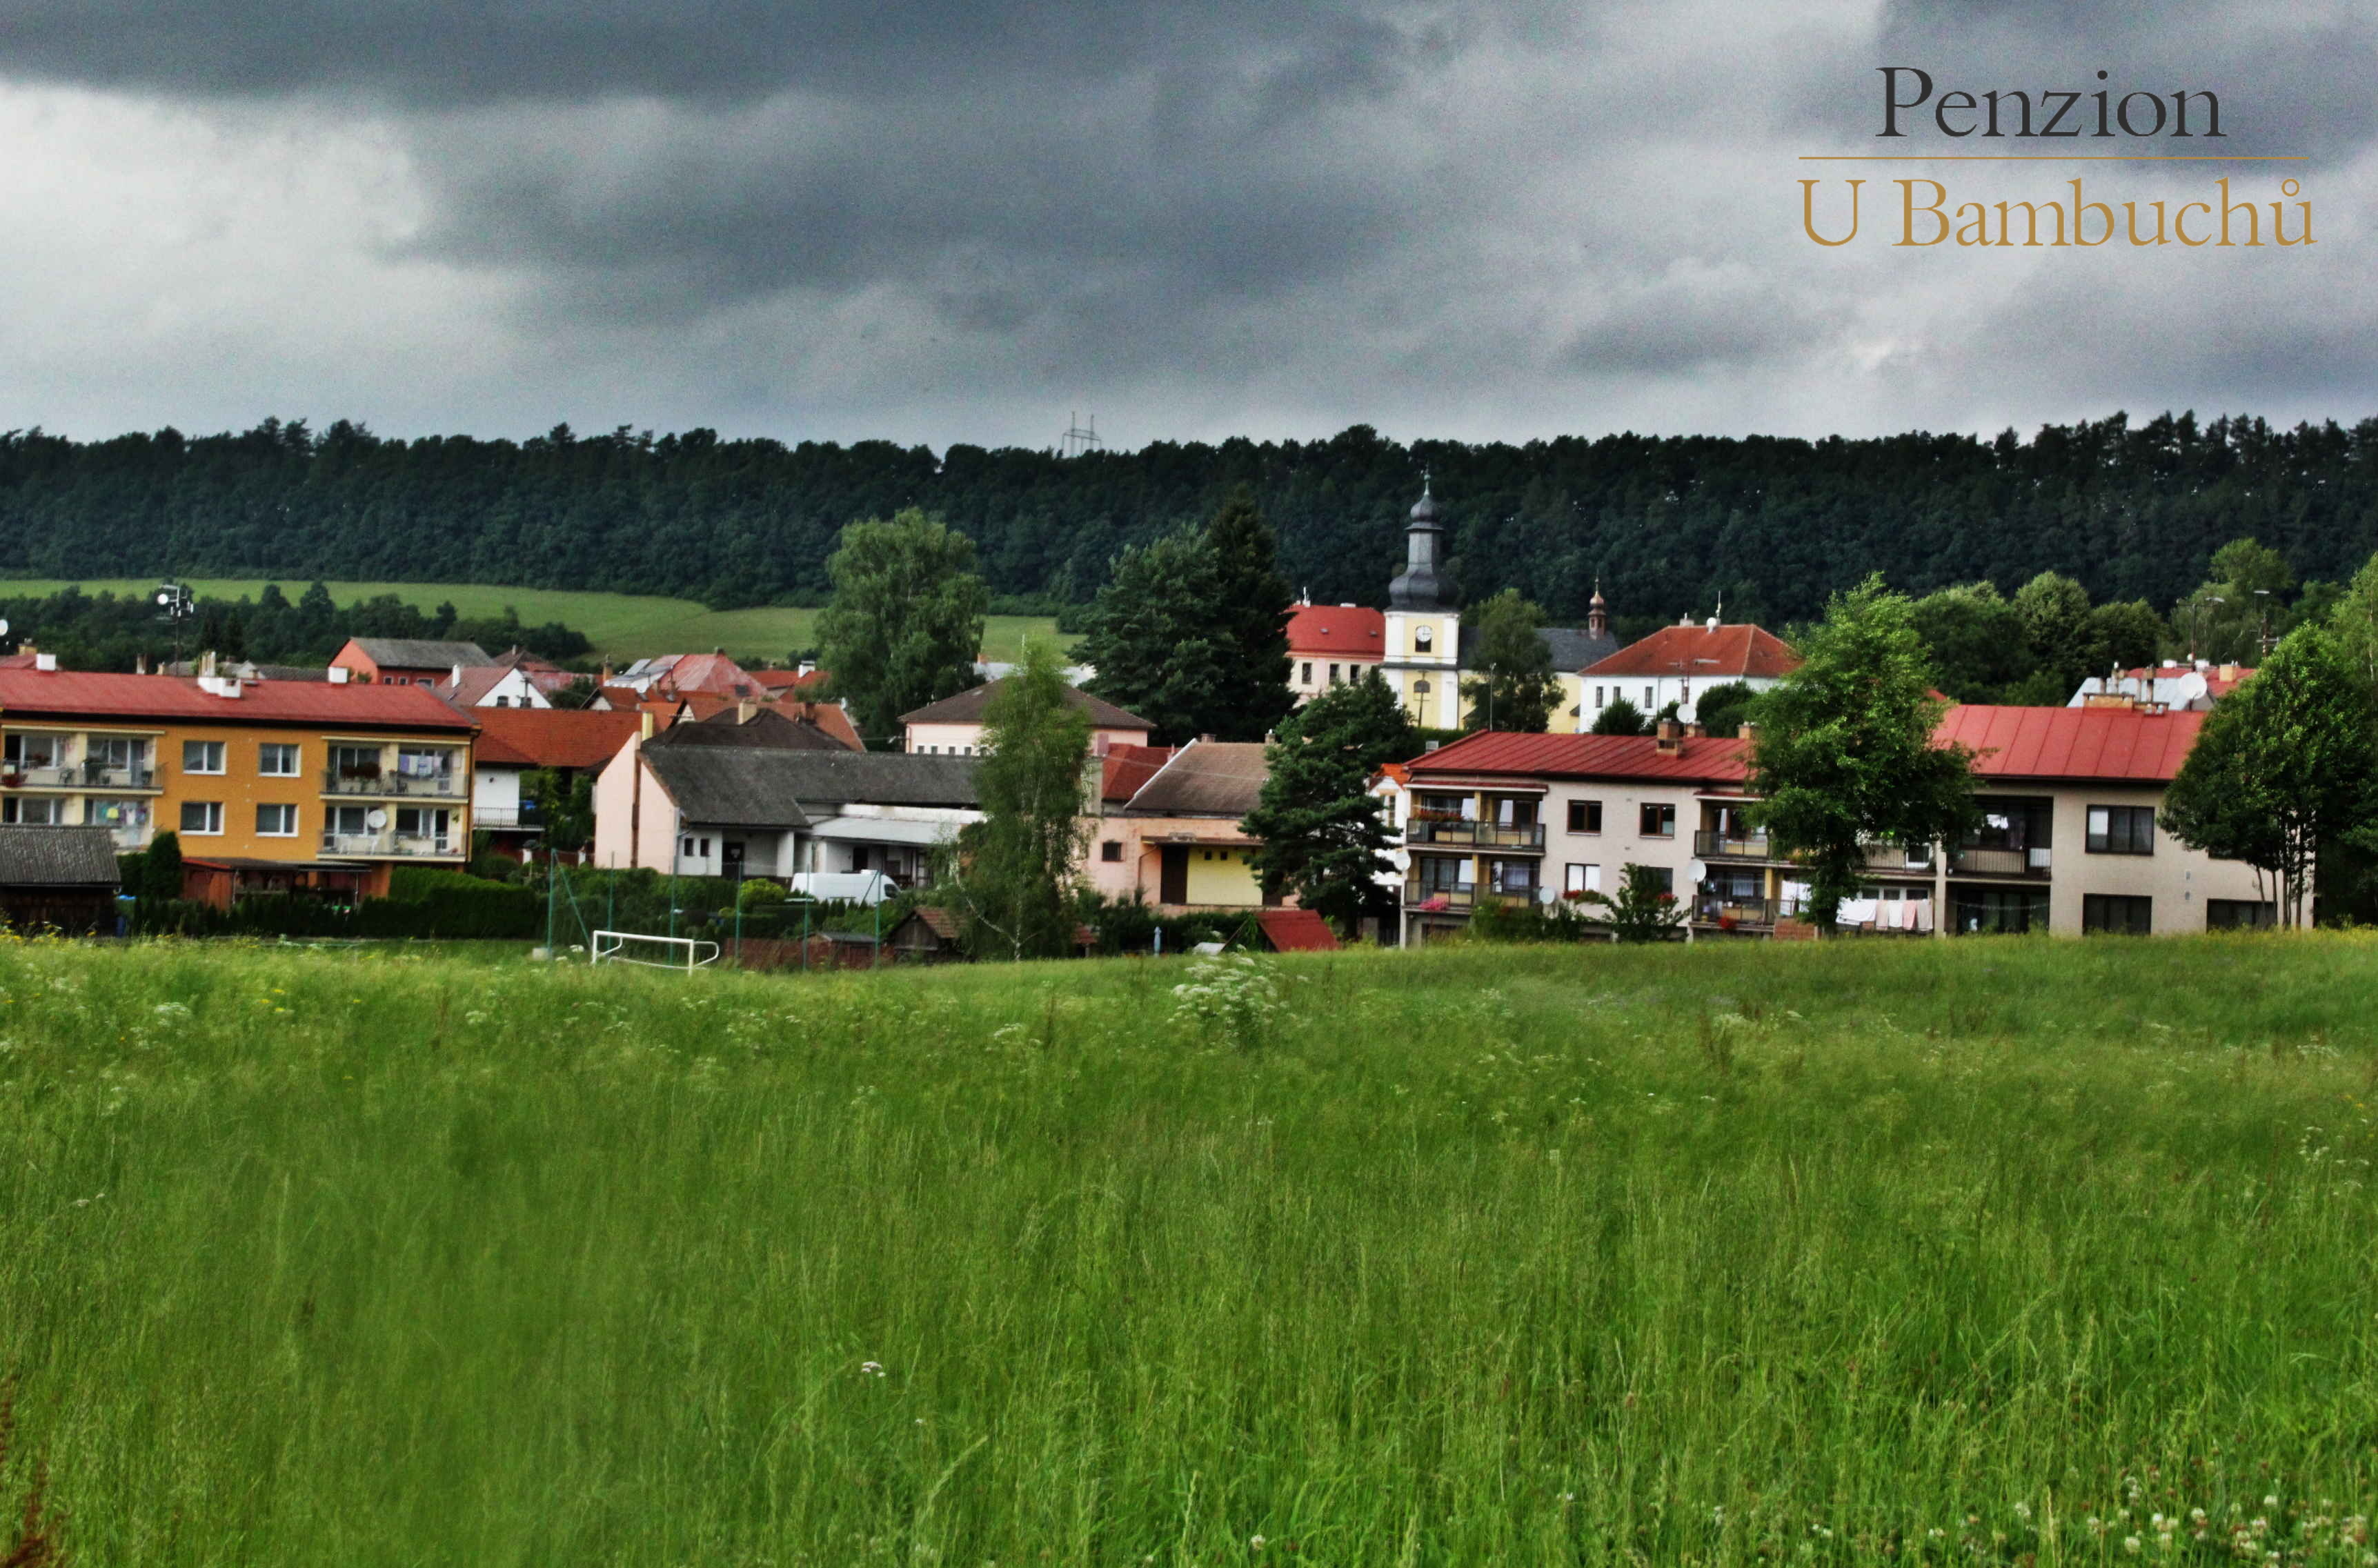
1079 438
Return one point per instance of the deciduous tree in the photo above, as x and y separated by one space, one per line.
1516 688
1845 754
1017 872
2284 765
906 619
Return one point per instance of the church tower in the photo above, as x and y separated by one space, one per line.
1423 624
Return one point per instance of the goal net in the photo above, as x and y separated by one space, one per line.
688 954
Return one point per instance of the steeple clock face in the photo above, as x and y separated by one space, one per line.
1423 639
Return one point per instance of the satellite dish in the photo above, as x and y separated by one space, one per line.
1688 713
1698 870
4 628
376 819
2187 688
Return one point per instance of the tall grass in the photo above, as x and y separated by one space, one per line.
1921 1252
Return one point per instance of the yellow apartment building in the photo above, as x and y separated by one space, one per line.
279 786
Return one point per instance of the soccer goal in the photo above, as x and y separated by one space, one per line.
688 954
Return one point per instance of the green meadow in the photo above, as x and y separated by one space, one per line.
1987 1252
622 627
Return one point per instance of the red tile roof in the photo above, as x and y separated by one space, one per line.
89 694
2108 744
787 680
1701 760
1128 767
1341 629
1296 930
1726 654
714 673
827 716
552 737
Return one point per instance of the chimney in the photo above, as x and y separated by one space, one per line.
45 662
1696 731
2229 672
746 711
645 724
1669 740
1749 733
207 664
141 664
605 678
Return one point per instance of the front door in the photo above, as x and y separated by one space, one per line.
1173 883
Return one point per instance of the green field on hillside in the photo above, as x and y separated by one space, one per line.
622 626
1986 1251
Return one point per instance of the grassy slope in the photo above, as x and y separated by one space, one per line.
622 626
1729 1254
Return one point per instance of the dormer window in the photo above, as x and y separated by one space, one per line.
1423 639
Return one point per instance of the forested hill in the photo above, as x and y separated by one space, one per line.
1667 523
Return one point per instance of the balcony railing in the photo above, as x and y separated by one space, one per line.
356 781
1463 896
1977 862
78 775
382 845
1728 914
513 819
1899 858
1484 836
1731 846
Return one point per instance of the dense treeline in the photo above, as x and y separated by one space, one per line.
108 631
1666 524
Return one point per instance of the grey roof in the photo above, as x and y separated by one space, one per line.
765 730
57 857
420 653
1205 778
1573 647
967 708
766 788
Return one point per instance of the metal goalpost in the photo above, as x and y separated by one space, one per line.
688 954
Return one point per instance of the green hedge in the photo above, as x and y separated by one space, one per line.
424 902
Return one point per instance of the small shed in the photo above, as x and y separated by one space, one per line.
58 879
928 935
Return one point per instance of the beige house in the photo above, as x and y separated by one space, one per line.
1168 828
954 726
2067 844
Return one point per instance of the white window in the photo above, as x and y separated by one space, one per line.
1308 673
351 822
22 751
203 816
203 757
31 813
1651 700
277 761
276 822
421 821
1581 879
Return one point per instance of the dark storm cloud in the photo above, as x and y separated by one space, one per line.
507 51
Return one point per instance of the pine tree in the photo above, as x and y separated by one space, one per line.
1322 834
1154 641
1251 610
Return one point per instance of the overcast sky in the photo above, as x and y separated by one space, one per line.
940 221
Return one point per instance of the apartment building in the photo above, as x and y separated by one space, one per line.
270 786
2068 841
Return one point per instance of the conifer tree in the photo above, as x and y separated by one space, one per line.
1322 834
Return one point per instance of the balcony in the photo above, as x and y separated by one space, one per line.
80 775
1482 835
1732 846
1460 897
390 846
381 783
2028 864
1733 914
509 818
1899 858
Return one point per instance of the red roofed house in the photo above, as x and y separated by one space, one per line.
308 787
2069 840
1331 643
954 726
512 741
2195 686
1676 663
